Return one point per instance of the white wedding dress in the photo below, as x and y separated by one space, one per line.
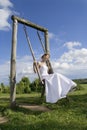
57 86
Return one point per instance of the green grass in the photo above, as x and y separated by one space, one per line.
64 115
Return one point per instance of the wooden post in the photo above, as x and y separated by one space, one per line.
48 51
13 65
46 42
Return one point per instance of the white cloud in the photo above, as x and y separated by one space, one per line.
51 35
5 13
72 63
5 3
4 72
54 37
71 45
24 67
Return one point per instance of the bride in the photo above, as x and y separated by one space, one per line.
57 85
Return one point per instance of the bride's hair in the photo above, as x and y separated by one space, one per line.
45 55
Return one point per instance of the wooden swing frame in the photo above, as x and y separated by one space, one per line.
17 20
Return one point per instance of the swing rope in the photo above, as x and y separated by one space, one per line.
41 41
48 61
32 53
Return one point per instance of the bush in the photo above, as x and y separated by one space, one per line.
6 89
35 86
23 86
20 88
78 87
0 89
27 89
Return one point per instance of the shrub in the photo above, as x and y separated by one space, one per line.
23 86
78 87
35 85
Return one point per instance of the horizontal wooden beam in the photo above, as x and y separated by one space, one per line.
28 23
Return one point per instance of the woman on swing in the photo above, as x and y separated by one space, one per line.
57 85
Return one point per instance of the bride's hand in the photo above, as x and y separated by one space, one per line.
34 66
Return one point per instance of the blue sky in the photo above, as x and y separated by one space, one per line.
66 21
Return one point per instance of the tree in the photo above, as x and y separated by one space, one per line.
20 88
26 83
78 82
7 89
2 87
23 86
35 85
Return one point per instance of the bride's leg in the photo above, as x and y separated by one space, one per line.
43 89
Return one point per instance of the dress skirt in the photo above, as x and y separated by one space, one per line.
57 87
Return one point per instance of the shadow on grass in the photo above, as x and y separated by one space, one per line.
78 99
27 111
30 100
4 101
5 105
76 103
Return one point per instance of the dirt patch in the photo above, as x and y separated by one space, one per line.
35 107
3 120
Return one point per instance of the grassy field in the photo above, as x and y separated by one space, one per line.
64 115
